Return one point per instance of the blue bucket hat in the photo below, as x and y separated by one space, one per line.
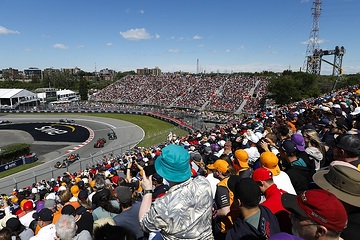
173 164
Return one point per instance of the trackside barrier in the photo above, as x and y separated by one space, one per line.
46 173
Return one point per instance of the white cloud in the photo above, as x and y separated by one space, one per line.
228 50
174 50
60 46
197 37
136 34
4 30
28 50
80 46
142 11
109 44
201 45
157 36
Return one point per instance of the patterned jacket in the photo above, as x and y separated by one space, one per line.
183 213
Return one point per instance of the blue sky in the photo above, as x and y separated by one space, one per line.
226 36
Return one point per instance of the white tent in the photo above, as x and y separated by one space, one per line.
11 98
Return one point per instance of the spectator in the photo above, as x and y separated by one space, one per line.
18 230
314 219
254 220
252 150
299 173
347 149
160 189
270 161
242 161
344 182
226 206
185 211
54 207
128 218
66 229
272 193
29 210
314 148
83 219
47 228
299 140
5 234
107 207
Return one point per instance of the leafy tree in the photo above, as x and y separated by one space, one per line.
293 86
83 89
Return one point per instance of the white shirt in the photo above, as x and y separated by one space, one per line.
46 233
213 182
253 154
27 219
283 182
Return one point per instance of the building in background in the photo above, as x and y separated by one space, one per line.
146 71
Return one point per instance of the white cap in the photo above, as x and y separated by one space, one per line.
221 143
253 138
356 111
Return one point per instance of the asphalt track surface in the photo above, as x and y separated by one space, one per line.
52 141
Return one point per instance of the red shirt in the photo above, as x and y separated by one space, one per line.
273 202
273 199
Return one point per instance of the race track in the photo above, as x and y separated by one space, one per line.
52 141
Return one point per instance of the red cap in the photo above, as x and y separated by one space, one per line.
320 206
28 205
262 174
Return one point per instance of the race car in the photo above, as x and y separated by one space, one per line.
100 143
4 121
112 135
65 120
72 157
64 164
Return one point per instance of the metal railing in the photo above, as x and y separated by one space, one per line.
48 172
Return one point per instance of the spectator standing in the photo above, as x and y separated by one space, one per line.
47 228
270 161
316 214
296 168
66 229
255 221
29 211
18 229
252 150
107 207
242 161
314 148
347 149
83 219
272 195
226 206
185 211
128 218
344 183
160 189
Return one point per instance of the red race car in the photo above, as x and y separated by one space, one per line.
100 143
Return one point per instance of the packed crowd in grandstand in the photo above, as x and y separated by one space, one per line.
285 173
217 93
